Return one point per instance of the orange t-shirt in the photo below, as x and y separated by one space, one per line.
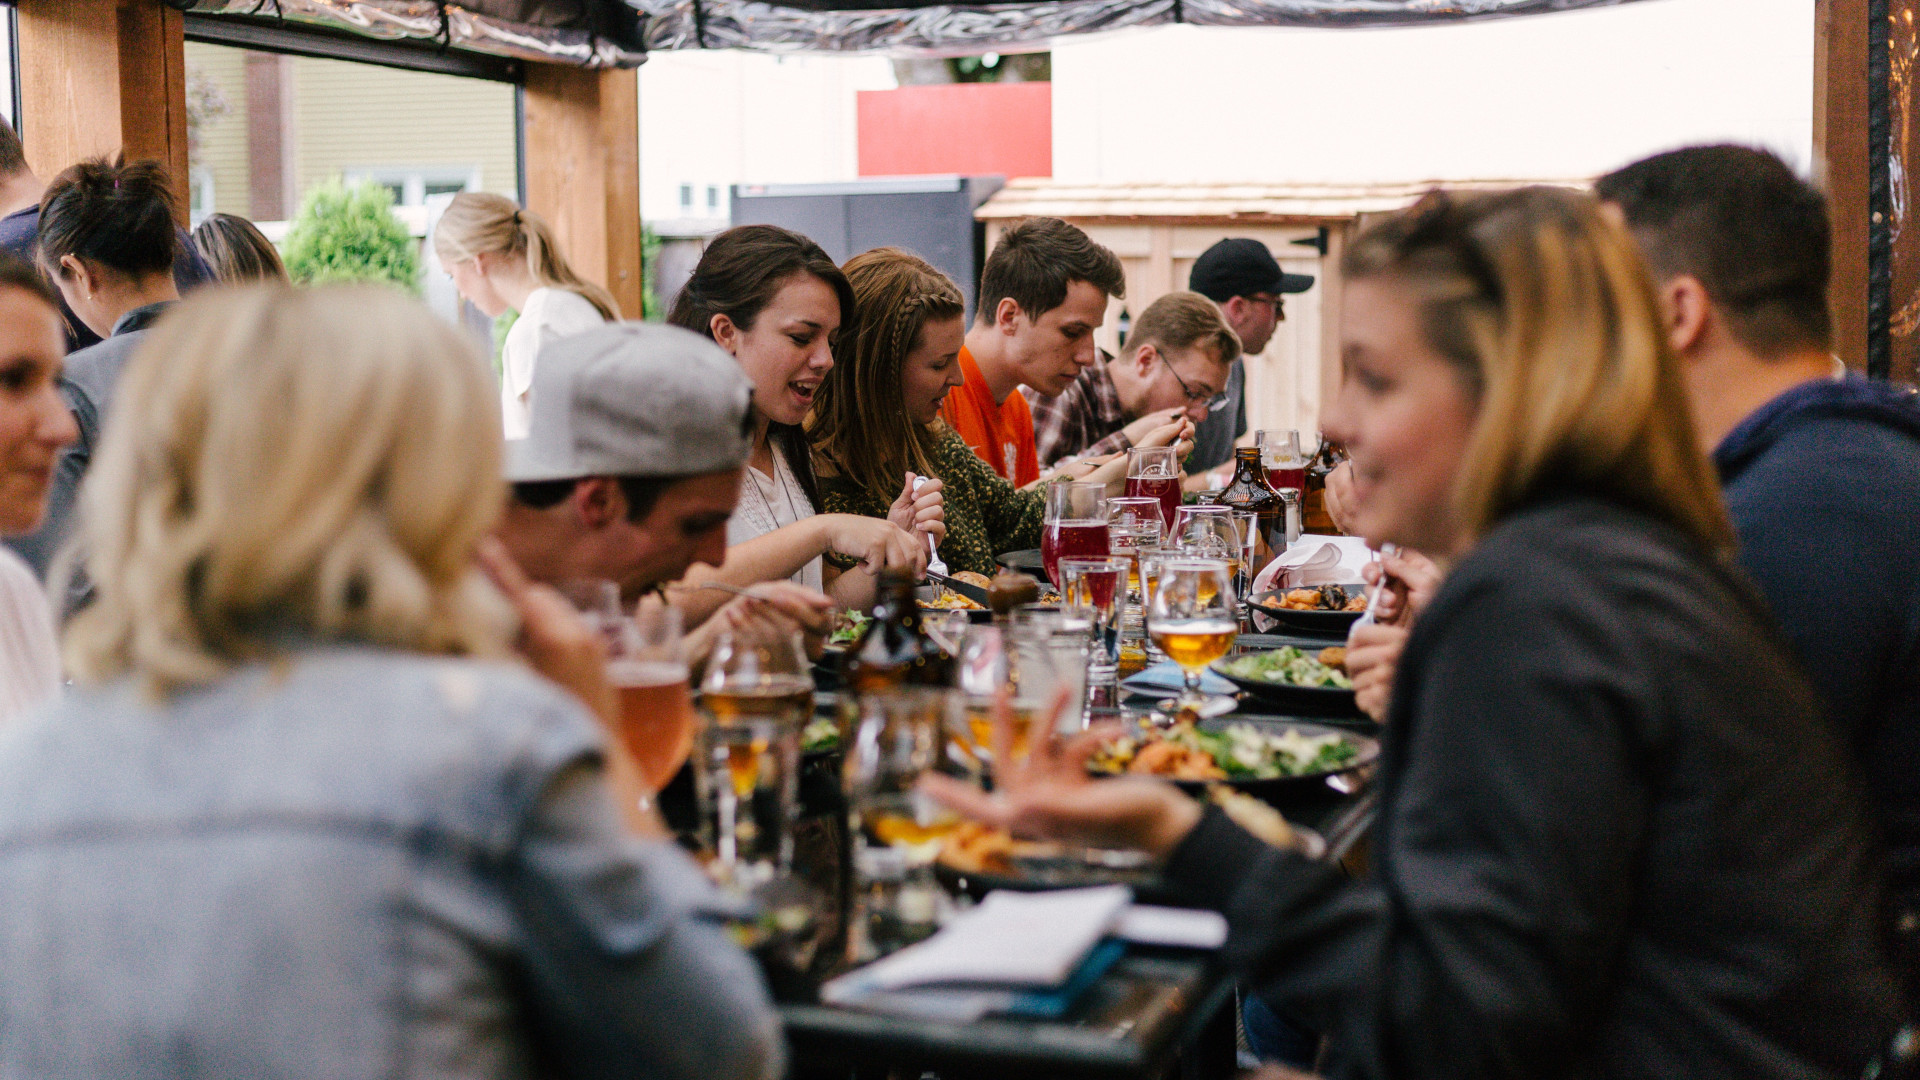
1001 434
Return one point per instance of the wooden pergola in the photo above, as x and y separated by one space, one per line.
107 76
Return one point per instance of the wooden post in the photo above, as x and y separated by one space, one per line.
1840 164
103 77
582 146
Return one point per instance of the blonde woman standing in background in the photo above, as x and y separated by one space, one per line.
501 257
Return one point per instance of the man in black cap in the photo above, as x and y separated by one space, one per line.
1242 277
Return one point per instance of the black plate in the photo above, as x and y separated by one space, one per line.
1318 700
1026 561
1327 623
1282 791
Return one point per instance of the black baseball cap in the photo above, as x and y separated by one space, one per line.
1242 267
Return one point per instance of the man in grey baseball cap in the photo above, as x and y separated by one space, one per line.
632 459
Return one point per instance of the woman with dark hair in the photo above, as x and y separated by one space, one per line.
107 240
775 301
237 252
1614 837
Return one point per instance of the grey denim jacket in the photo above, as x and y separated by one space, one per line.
353 863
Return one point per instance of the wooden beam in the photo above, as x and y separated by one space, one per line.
1840 165
103 77
582 141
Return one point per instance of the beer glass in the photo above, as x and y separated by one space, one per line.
1281 456
1076 524
1193 621
1092 589
1154 472
898 738
755 697
647 667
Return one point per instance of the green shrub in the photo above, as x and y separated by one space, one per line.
350 234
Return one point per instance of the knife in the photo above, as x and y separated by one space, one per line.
972 592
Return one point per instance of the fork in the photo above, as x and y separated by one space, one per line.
935 564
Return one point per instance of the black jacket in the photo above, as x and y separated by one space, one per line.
1613 838
1823 485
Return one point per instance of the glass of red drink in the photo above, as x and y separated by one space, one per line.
1076 525
1281 456
1154 472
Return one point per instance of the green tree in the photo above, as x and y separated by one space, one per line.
350 234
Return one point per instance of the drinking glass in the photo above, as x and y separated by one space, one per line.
1281 456
983 671
756 695
647 667
1133 526
898 738
1248 526
1149 577
1096 587
598 602
1154 472
1049 655
1211 536
1076 524
1193 620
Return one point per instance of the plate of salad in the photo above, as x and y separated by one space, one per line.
1295 678
1263 758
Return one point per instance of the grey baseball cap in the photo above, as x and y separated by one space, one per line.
633 399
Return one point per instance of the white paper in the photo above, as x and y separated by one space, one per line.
1189 928
1010 939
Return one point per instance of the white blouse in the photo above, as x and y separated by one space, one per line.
29 651
768 503
550 314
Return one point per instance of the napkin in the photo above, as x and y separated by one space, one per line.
1010 939
1166 677
1319 560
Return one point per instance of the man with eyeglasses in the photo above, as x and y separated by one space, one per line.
1172 370
1242 277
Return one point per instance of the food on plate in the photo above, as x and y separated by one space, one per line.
847 629
1264 822
819 735
972 577
1239 752
973 848
948 600
1335 658
1325 598
1288 666
1009 589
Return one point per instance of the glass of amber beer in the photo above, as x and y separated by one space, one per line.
647 666
755 696
1193 620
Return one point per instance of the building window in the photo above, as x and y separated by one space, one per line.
713 198
686 198
412 186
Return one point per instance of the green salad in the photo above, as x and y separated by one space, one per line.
849 630
1286 665
1238 752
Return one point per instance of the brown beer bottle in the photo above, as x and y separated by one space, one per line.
1249 492
895 649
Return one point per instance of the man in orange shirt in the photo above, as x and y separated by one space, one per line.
1043 293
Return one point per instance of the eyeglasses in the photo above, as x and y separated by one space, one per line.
1213 401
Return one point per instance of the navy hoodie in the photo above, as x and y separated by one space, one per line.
1823 485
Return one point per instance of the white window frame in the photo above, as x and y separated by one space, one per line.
413 179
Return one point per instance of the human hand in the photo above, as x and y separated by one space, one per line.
1170 433
1373 656
879 545
554 639
1049 795
1410 580
1145 426
772 606
924 511
1340 501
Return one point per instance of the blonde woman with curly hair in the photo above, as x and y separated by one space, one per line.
503 258
1614 838
303 814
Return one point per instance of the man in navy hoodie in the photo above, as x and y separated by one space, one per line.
1821 473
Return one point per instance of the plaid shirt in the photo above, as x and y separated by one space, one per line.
1085 420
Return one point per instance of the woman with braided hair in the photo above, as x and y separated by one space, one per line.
879 417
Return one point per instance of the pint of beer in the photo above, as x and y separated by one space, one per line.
656 715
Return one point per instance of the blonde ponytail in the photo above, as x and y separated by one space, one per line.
476 222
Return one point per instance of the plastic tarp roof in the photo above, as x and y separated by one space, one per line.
619 33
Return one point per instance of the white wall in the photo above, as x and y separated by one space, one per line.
727 117
1567 95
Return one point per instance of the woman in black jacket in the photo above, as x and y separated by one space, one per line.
1613 840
